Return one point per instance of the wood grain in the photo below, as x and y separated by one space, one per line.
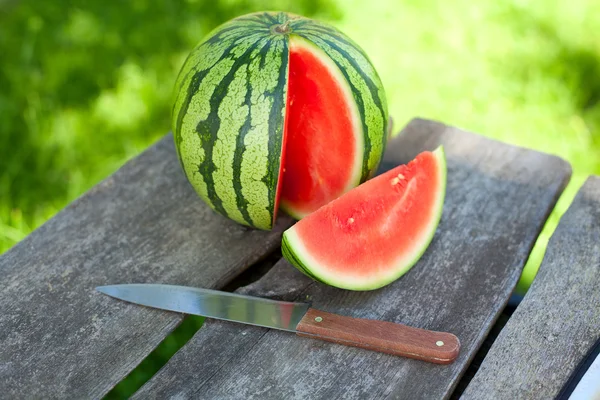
62 339
498 199
382 336
558 321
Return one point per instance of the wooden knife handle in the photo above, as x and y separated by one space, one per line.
382 336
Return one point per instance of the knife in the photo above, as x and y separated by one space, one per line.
300 318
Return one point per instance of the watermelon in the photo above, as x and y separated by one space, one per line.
274 109
373 234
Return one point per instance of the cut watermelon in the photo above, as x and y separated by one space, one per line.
276 109
324 140
376 232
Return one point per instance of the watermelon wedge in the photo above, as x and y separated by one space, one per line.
376 232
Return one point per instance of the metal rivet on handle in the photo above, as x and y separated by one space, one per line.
439 343
318 319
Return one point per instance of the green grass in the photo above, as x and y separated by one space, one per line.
86 85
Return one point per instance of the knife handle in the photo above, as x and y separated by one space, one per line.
382 336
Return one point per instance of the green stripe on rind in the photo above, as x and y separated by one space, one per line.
364 81
289 255
209 128
276 122
201 62
216 45
241 202
228 128
292 243
259 170
292 256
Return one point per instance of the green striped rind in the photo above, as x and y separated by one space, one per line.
229 114
364 82
289 254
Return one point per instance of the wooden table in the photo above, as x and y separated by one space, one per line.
62 339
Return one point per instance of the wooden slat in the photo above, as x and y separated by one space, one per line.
498 198
558 321
62 339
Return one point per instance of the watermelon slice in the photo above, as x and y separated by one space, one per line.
376 232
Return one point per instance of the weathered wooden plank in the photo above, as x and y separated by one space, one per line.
62 339
558 321
498 198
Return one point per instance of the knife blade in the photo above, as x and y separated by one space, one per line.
382 336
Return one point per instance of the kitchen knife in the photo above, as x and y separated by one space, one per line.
382 336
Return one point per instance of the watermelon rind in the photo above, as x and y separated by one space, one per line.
228 117
294 251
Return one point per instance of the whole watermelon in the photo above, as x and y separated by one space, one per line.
276 109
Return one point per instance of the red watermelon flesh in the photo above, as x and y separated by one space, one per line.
372 235
323 136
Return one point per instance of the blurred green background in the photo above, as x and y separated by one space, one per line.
86 85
